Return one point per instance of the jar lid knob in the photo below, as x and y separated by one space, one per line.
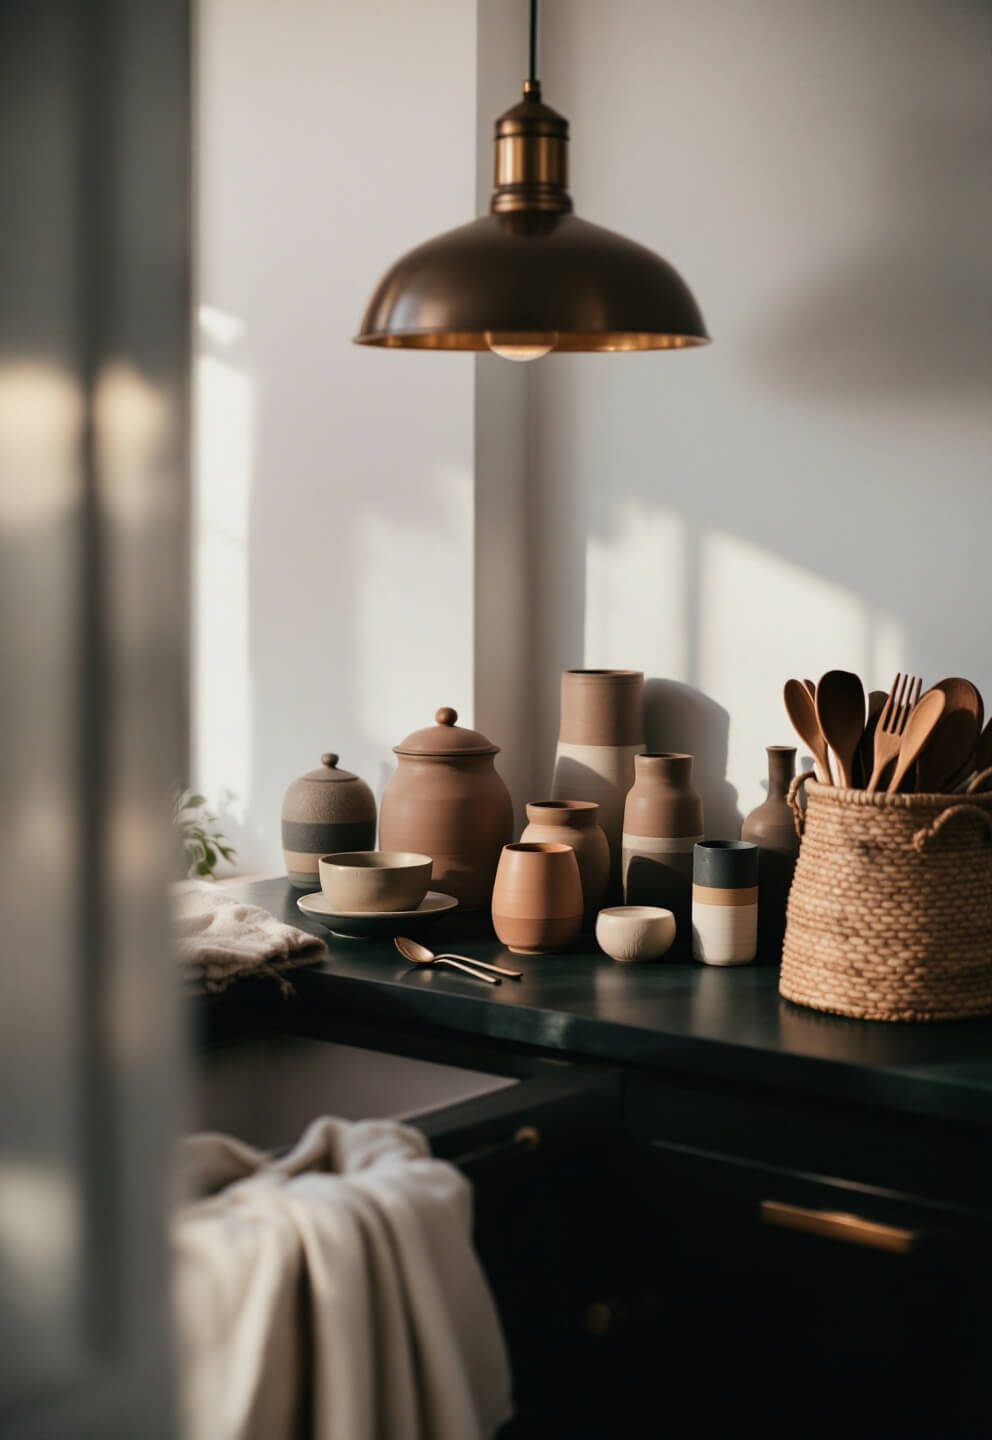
329 760
446 716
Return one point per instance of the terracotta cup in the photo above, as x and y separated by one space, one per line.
537 897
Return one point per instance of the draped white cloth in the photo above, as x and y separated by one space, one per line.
334 1292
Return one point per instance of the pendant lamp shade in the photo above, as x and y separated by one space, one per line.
550 281
530 276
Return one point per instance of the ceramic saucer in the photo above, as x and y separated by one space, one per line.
375 924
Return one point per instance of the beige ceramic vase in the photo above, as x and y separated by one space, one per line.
663 820
537 898
772 827
324 811
602 729
447 801
575 823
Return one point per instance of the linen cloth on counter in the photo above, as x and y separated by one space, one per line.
220 939
334 1293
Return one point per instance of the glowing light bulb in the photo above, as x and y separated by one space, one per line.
507 350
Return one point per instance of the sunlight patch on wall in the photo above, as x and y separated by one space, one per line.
763 619
410 626
223 451
636 589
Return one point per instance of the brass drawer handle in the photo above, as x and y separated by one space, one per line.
836 1225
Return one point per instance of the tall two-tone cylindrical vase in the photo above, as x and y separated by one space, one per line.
662 821
602 729
725 902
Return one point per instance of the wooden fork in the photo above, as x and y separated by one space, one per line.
905 692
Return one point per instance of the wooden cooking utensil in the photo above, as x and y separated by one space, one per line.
949 755
840 709
866 750
801 709
892 723
981 760
811 687
921 724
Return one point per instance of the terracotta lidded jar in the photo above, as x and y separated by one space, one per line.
663 821
772 827
575 823
447 800
537 898
324 811
602 729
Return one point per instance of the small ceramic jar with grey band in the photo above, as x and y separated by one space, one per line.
324 812
725 902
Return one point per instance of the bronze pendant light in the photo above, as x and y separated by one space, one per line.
531 277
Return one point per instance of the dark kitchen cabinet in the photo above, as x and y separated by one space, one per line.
790 1284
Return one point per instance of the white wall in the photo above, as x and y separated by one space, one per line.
334 524
813 490
810 491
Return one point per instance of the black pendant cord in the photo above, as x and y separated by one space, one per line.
533 41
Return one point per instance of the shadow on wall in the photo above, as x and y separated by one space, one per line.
682 719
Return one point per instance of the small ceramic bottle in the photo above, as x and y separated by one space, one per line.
324 811
663 820
725 902
575 823
772 827
602 729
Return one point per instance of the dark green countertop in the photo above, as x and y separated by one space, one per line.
671 1015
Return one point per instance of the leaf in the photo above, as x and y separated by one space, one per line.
193 802
203 868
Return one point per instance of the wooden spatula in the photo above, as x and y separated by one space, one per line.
840 709
922 721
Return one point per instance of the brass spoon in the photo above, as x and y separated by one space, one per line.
419 954
840 709
801 710
921 724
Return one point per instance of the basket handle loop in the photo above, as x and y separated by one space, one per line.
922 838
793 799
979 782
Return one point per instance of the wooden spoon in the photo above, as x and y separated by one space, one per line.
866 750
922 721
801 709
840 709
981 760
949 755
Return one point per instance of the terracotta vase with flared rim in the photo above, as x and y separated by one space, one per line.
772 827
663 820
537 897
574 823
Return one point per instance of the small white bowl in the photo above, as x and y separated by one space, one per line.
374 880
635 932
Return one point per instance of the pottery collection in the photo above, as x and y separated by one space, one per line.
575 823
772 827
663 820
537 897
602 729
635 932
447 800
725 901
323 811
374 880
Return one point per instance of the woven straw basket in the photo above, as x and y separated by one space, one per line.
890 911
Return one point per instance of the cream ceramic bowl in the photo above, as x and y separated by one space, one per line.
635 932
375 880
